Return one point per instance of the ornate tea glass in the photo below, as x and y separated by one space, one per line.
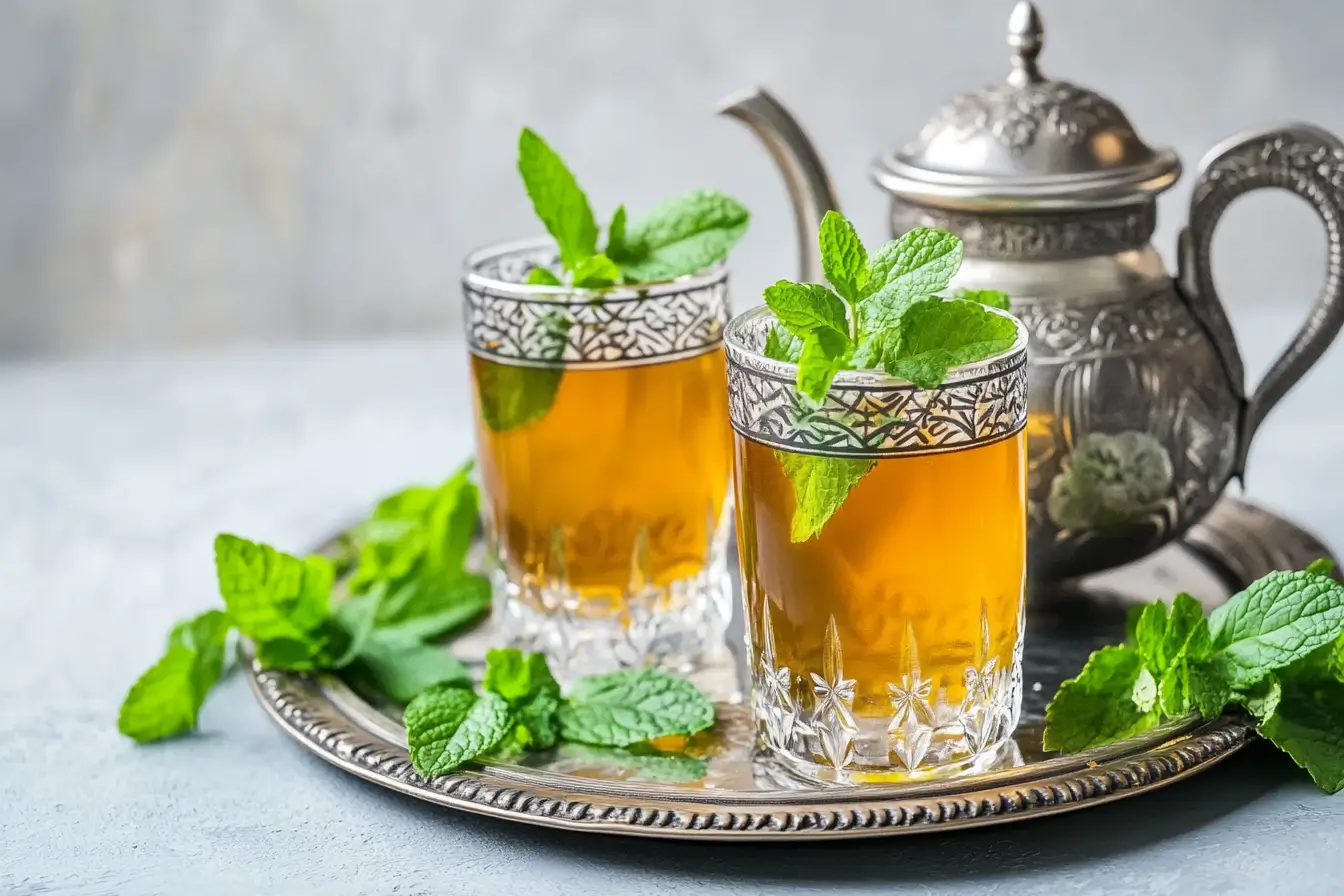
604 457
888 645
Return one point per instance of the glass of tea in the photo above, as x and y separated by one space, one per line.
604 458
882 537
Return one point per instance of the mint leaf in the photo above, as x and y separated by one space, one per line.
270 595
434 607
401 666
166 700
623 708
825 353
540 276
805 308
1150 633
535 725
1173 691
938 335
820 486
781 345
516 676
1208 689
1098 706
511 397
596 271
450 725
1308 724
1263 699
354 619
843 258
557 199
1277 620
918 264
617 249
1180 638
681 236
991 297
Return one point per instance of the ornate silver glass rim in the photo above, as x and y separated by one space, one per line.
513 322
867 413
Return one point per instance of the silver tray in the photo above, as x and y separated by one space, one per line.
724 789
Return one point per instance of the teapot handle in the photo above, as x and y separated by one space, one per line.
1301 159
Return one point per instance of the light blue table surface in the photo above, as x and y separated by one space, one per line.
116 474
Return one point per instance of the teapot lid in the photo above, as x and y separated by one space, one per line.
1031 143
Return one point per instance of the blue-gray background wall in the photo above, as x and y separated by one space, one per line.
178 173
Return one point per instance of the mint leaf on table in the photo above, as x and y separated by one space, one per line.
166 699
633 705
820 486
1270 650
1098 706
449 725
678 237
401 667
991 297
843 258
938 335
1307 723
1277 620
557 199
270 595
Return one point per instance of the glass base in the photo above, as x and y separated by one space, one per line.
947 757
678 627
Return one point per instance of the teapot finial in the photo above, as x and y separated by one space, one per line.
1026 36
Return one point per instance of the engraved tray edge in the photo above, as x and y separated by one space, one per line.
1247 541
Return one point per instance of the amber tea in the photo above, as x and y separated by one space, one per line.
605 457
886 631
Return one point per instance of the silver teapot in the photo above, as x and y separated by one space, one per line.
1137 416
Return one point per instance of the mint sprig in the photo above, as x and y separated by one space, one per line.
520 707
676 238
411 586
1273 649
880 312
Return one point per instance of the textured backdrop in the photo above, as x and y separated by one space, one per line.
182 173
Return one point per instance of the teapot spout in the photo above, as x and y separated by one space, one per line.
809 187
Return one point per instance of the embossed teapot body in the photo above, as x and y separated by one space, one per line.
1138 416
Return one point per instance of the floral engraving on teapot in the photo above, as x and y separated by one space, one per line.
1016 116
1109 481
1035 237
1069 332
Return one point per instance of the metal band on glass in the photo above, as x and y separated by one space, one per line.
513 322
867 413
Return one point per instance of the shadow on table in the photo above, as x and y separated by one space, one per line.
1072 838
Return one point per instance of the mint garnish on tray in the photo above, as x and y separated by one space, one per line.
879 313
409 559
408 586
1274 649
520 707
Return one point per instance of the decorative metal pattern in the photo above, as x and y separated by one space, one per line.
867 414
1015 116
1035 237
512 322
744 797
